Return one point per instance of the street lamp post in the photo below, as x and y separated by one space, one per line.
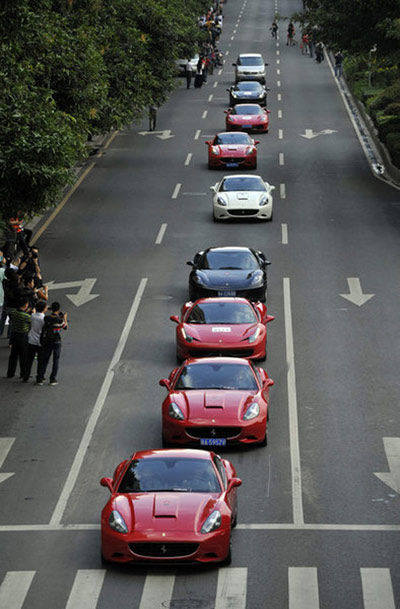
373 50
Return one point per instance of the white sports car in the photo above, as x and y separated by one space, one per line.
242 196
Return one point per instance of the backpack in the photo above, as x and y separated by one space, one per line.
46 334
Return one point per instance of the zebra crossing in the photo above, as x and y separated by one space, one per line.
231 589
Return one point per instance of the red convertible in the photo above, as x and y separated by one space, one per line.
216 401
169 506
222 326
250 117
232 150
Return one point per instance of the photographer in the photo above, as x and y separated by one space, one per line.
51 343
29 265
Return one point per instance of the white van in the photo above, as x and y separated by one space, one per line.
250 66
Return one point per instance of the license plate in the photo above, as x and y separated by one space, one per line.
232 165
213 442
247 126
222 293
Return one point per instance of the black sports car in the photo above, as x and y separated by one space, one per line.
228 271
248 91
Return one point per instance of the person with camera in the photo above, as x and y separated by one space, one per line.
50 340
20 326
34 345
29 264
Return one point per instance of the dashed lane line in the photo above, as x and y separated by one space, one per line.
176 191
279 113
278 83
282 191
188 159
216 84
280 134
204 115
210 97
284 234
197 134
281 158
161 234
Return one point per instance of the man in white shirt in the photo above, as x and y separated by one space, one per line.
188 73
34 346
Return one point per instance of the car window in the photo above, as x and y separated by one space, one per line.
217 375
250 109
170 474
248 86
252 60
232 138
233 183
229 259
222 313
221 469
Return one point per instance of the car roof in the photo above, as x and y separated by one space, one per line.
252 176
231 248
246 105
233 132
220 359
250 55
173 453
234 299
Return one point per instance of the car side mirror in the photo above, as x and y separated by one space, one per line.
226 111
175 318
268 111
256 142
190 263
268 383
107 482
213 188
234 64
233 483
266 64
269 318
165 383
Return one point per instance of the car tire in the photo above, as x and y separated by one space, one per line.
227 561
270 219
263 358
235 519
264 441
215 219
104 560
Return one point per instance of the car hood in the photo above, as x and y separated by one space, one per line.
247 118
228 278
220 333
250 69
165 511
205 406
247 94
233 149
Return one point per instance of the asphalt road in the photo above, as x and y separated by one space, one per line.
317 528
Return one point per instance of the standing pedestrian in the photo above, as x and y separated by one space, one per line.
51 343
2 271
34 345
188 73
290 34
338 64
304 44
20 326
319 52
274 29
12 297
152 117
311 44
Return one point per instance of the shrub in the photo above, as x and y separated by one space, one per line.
393 146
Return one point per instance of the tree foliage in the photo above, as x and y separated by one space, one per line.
74 68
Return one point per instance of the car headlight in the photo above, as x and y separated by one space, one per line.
257 280
197 279
186 337
264 200
214 150
117 523
221 201
252 411
254 336
212 523
175 412
250 150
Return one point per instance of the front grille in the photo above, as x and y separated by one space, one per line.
225 352
238 159
243 212
213 432
163 550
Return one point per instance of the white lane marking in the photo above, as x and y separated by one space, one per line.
280 134
161 233
5 447
226 53
157 591
220 72
216 84
195 193
97 409
282 191
297 499
303 588
279 113
176 191
278 71
234 31
204 115
377 589
197 134
188 158
86 589
278 52
279 96
278 61
210 97
232 37
284 234
231 588
14 588
281 158
278 83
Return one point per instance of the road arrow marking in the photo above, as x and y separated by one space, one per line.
83 296
309 133
356 295
165 135
392 450
5 447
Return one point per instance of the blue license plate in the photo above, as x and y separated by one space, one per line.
222 293
229 165
213 442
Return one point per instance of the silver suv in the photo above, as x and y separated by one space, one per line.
250 66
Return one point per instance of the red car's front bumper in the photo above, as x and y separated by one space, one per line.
259 127
249 160
252 351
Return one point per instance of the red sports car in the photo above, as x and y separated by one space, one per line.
216 401
222 326
250 117
170 506
232 150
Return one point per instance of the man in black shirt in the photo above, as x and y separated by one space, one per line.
51 343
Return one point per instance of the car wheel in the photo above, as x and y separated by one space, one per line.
263 358
264 442
270 219
234 521
267 415
227 561
215 219
104 560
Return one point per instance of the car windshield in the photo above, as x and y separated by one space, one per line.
216 375
248 86
229 259
252 60
232 138
242 183
247 109
171 475
222 313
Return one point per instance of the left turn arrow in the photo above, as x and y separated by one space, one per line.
391 478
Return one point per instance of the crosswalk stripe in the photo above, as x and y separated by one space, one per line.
231 588
303 588
157 591
14 589
86 589
377 589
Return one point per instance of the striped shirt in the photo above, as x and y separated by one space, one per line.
20 321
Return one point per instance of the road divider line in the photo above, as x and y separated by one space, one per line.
176 191
161 233
303 588
279 96
280 134
297 499
279 113
284 234
210 97
86 589
215 84
278 83
205 114
282 191
278 71
281 158
197 134
97 409
188 159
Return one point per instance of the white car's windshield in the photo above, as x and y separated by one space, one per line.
242 184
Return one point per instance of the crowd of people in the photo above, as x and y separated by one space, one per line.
34 326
